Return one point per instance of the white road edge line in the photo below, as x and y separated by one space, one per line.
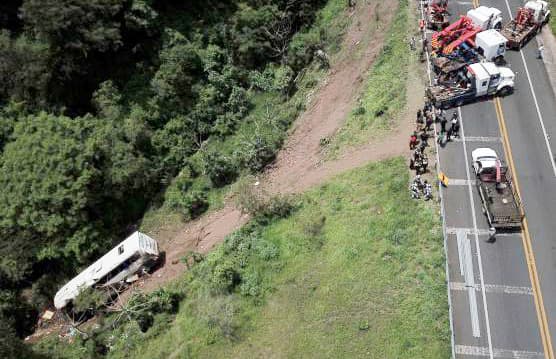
460 234
479 259
482 232
469 276
443 214
494 288
466 270
552 162
479 139
461 182
498 353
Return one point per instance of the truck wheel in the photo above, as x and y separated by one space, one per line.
498 26
505 91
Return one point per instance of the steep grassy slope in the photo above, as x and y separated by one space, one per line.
355 271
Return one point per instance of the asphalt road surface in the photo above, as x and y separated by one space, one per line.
503 294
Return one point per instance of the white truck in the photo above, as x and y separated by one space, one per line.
486 17
528 21
472 83
491 45
500 202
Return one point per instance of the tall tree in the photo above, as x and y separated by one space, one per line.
65 182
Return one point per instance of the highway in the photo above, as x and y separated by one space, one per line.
503 294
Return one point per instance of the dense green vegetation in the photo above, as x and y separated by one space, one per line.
104 102
353 269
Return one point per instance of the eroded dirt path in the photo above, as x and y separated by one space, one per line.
300 165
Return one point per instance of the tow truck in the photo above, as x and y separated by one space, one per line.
472 83
486 17
527 23
472 38
500 202
438 15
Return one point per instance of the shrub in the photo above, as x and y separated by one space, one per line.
252 200
220 169
195 203
251 285
279 206
90 300
300 51
225 276
266 250
262 80
185 197
248 198
283 79
257 152
142 307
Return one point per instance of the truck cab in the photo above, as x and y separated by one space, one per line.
486 17
491 45
485 162
489 79
540 11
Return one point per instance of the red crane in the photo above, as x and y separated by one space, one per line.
454 35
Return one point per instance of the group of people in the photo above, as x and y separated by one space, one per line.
419 139
447 133
420 187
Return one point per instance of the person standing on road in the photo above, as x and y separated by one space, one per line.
443 122
540 51
491 235
449 134
439 114
455 126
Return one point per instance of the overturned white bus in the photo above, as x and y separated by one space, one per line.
136 253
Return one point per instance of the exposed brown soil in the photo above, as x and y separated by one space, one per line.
301 164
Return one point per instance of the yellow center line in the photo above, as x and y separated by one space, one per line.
526 239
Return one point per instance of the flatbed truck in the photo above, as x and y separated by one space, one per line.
472 83
527 23
500 202
438 16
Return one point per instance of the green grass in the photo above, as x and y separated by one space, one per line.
356 271
385 90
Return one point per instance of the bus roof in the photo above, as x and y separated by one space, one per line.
137 242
